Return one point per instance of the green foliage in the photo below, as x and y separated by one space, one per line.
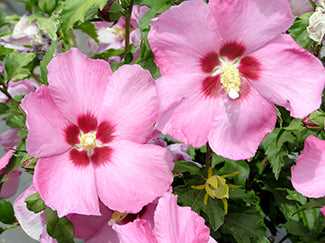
298 30
35 203
46 60
60 229
7 215
185 166
274 146
115 12
16 65
90 29
108 53
48 24
214 210
244 224
75 10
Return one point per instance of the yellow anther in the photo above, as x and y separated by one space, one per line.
120 32
230 79
88 141
116 218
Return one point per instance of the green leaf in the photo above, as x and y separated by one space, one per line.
15 121
59 228
5 52
185 166
273 145
3 108
115 12
150 65
48 24
90 29
243 224
16 65
7 215
46 60
298 30
194 198
128 58
108 53
35 203
76 10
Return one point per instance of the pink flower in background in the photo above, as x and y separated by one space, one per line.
169 223
299 7
22 87
9 187
224 65
25 34
112 36
89 128
34 224
308 175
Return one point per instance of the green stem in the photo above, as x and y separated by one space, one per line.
128 26
3 90
208 161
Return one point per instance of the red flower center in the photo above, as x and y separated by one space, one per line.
88 140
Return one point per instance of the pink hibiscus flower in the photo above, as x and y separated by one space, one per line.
308 175
160 221
169 223
112 36
224 65
89 128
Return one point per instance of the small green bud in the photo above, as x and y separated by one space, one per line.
47 5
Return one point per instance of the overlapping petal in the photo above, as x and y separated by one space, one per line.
298 86
134 176
77 83
178 39
178 224
307 176
132 104
45 124
186 113
251 23
65 186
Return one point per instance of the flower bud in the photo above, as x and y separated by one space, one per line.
104 14
47 6
308 123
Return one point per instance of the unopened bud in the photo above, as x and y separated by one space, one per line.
104 14
47 6
308 123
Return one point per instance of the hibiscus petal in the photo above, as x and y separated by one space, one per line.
183 35
323 210
135 175
86 227
290 76
251 23
131 104
239 130
178 224
77 83
104 234
30 222
307 176
138 231
43 117
187 114
4 160
66 187
9 187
